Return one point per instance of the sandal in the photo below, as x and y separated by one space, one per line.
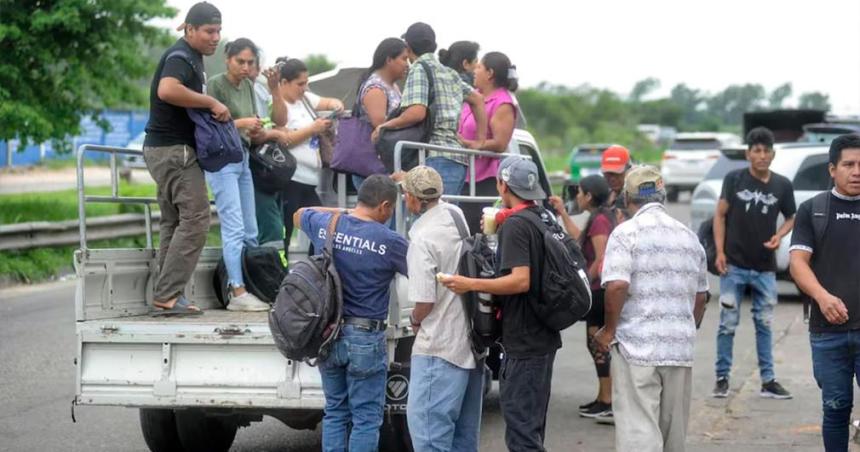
182 307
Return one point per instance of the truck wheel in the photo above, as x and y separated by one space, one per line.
394 434
199 432
159 430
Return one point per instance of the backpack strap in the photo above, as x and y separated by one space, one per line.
431 89
329 236
458 221
820 220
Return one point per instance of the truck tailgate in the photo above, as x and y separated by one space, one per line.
220 359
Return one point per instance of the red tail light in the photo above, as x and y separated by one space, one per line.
668 156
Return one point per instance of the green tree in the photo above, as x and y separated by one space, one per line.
318 63
815 101
778 96
63 59
731 103
644 87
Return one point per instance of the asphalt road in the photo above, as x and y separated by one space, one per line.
37 341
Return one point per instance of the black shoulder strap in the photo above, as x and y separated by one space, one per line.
329 237
431 85
532 217
184 56
820 215
458 221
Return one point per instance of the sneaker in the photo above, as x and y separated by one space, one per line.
774 390
246 302
586 406
606 418
721 389
596 410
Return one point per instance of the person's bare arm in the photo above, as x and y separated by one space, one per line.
330 103
720 235
375 105
831 307
305 133
599 244
699 308
615 297
279 105
172 91
518 281
502 126
476 101
569 225
419 313
786 227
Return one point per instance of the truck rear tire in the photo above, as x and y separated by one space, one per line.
159 430
394 434
199 432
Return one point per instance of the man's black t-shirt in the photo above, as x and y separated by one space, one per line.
523 334
835 261
168 124
754 207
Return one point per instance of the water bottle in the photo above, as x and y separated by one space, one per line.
485 321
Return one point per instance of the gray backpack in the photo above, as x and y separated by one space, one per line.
306 318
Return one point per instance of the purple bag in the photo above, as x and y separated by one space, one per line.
218 143
354 153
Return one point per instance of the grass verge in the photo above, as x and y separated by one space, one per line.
63 205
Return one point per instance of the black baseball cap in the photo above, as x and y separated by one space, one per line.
202 13
419 32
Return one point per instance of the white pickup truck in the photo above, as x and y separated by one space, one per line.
196 380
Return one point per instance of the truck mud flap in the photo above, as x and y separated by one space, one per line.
397 384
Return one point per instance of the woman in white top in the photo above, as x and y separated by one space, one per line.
303 133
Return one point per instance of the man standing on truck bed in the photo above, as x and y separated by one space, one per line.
168 150
367 256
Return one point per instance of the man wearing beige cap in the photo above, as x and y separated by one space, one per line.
446 384
655 276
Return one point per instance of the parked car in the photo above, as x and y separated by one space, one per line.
585 160
135 161
804 164
690 157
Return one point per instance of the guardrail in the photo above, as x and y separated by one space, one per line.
21 236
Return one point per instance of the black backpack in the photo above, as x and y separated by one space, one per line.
820 221
477 260
272 167
262 270
307 314
565 292
706 239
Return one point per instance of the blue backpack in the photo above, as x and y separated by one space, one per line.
217 143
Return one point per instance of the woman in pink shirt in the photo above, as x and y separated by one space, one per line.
496 80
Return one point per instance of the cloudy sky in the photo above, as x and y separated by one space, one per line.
706 44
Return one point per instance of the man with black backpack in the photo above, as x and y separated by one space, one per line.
179 83
656 289
367 256
825 265
446 379
529 342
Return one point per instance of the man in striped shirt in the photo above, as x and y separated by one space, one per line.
655 277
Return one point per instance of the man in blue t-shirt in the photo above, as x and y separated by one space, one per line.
367 256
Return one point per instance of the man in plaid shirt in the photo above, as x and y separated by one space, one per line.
450 91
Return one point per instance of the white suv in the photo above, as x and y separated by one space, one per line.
690 157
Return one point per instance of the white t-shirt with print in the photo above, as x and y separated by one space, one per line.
308 161
434 247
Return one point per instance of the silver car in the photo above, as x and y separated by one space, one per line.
804 164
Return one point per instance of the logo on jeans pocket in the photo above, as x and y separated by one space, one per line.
397 387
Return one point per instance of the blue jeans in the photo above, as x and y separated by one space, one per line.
764 295
453 174
234 199
444 406
835 363
353 380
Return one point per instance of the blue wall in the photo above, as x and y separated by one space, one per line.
125 126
